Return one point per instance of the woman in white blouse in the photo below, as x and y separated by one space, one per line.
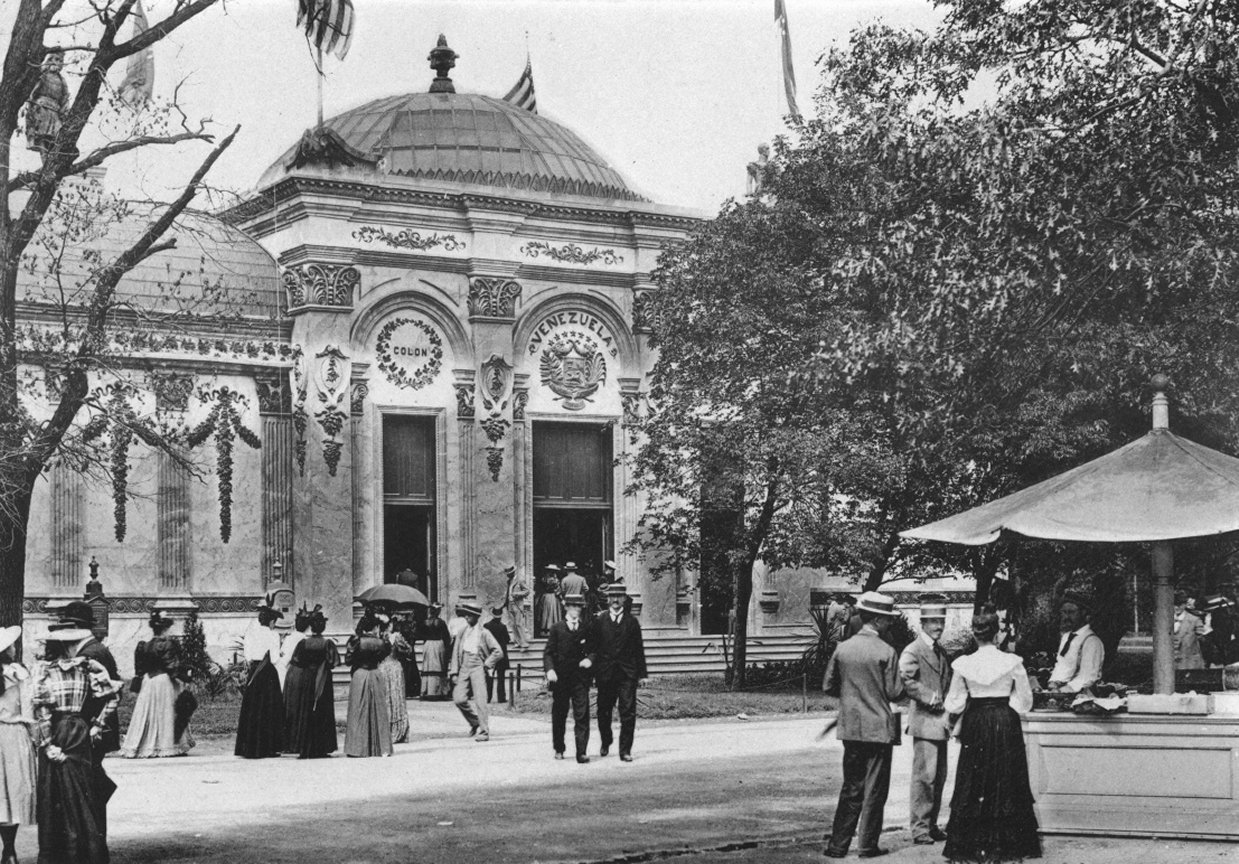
17 757
992 816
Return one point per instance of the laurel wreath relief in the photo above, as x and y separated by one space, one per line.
395 372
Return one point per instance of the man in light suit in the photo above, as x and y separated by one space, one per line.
926 674
864 673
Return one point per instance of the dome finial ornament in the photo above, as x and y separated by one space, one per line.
442 59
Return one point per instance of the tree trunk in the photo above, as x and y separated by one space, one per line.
13 558
742 579
983 572
877 570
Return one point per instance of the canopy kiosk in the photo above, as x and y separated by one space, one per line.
1146 773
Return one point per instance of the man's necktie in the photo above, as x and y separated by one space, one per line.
1063 651
572 626
938 654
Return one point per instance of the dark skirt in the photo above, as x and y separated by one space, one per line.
73 798
992 816
309 707
260 729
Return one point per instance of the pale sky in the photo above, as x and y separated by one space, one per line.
675 94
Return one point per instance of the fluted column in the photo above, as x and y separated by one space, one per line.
66 521
465 414
275 408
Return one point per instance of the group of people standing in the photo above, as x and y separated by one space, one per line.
287 703
559 582
57 721
977 697
1206 631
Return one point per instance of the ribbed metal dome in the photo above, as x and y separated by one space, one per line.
469 139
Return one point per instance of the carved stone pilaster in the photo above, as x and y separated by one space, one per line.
493 297
275 396
496 379
357 398
520 398
464 401
321 286
642 313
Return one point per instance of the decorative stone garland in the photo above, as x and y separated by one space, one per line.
407 238
570 253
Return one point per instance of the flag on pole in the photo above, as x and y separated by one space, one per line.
328 24
789 76
521 95
139 81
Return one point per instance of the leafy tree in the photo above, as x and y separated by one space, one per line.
44 210
989 238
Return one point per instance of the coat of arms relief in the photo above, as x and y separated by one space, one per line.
573 369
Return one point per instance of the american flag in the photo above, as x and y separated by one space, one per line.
328 24
789 76
521 95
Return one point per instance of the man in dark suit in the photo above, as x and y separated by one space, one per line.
571 648
864 673
500 632
79 614
620 666
926 674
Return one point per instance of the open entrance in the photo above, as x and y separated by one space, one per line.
572 505
409 503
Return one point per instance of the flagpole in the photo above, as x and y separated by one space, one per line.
320 90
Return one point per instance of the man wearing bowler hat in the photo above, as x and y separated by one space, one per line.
571 648
864 673
80 615
926 673
620 666
474 653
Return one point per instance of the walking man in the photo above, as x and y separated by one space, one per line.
571 647
926 676
864 673
496 628
621 665
474 653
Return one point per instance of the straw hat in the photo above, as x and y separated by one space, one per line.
9 635
878 604
68 634
933 606
574 600
469 609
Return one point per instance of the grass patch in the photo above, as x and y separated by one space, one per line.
674 697
213 717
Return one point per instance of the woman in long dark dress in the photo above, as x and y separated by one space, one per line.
72 792
992 816
309 699
368 732
152 728
407 627
260 729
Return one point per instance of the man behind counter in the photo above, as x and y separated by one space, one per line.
1080 652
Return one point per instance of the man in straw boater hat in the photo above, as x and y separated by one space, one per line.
619 668
1080 650
926 673
571 647
474 653
864 673
79 615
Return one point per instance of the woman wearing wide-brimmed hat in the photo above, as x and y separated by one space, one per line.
17 759
368 732
309 701
153 729
72 791
260 729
